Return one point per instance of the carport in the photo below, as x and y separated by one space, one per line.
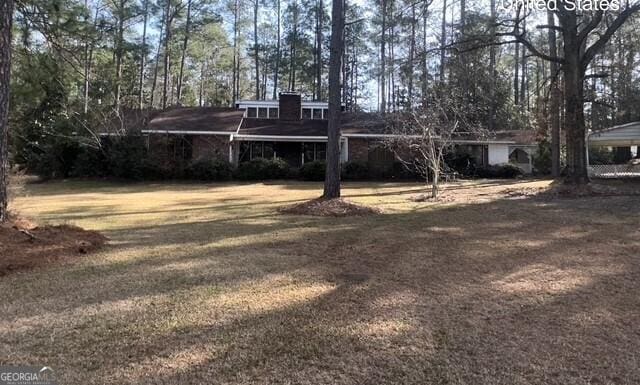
625 135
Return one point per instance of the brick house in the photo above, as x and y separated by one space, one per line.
296 131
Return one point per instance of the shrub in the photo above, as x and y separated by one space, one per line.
462 162
262 169
503 171
542 158
209 170
355 170
313 171
91 162
126 157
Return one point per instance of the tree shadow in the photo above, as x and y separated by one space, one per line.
506 292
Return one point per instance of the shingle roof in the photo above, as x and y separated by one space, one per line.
197 119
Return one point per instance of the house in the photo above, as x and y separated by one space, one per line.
296 131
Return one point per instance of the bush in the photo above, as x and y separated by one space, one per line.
355 170
209 170
263 169
55 159
462 162
503 171
313 171
542 158
126 157
91 162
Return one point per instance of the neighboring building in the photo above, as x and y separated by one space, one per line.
296 131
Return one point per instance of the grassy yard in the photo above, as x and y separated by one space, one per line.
208 284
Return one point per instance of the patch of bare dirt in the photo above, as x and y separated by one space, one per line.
25 245
329 208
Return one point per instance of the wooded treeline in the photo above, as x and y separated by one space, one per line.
78 64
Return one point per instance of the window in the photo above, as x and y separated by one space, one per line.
262 112
256 150
317 113
267 150
309 152
245 152
306 113
273 113
321 151
325 114
252 112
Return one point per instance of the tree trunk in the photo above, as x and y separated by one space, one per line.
383 69
443 39
516 75
492 70
167 44
236 59
119 51
574 122
185 44
143 56
256 51
6 22
412 52
554 102
320 13
156 69
332 178
277 70
425 68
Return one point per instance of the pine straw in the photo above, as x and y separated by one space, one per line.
25 245
322 207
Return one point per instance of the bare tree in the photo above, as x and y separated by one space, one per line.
332 178
6 23
421 137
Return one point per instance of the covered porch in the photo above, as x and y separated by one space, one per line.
296 151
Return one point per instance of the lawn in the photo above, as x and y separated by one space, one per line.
209 284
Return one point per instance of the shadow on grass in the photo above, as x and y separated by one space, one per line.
506 292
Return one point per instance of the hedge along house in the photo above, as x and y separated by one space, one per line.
296 131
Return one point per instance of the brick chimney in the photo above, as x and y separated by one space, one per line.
290 106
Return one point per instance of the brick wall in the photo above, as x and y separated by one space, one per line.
358 149
290 107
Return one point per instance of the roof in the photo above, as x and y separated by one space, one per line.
617 136
230 121
197 119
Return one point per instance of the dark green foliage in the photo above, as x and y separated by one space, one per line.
542 159
313 171
91 162
462 162
54 159
503 171
355 170
126 157
263 169
209 170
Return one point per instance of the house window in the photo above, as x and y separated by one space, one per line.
325 113
273 113
309 152
252 112
256 150
262 112
267 150
317 113
321 151
306 113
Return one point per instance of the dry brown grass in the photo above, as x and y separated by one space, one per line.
210 284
